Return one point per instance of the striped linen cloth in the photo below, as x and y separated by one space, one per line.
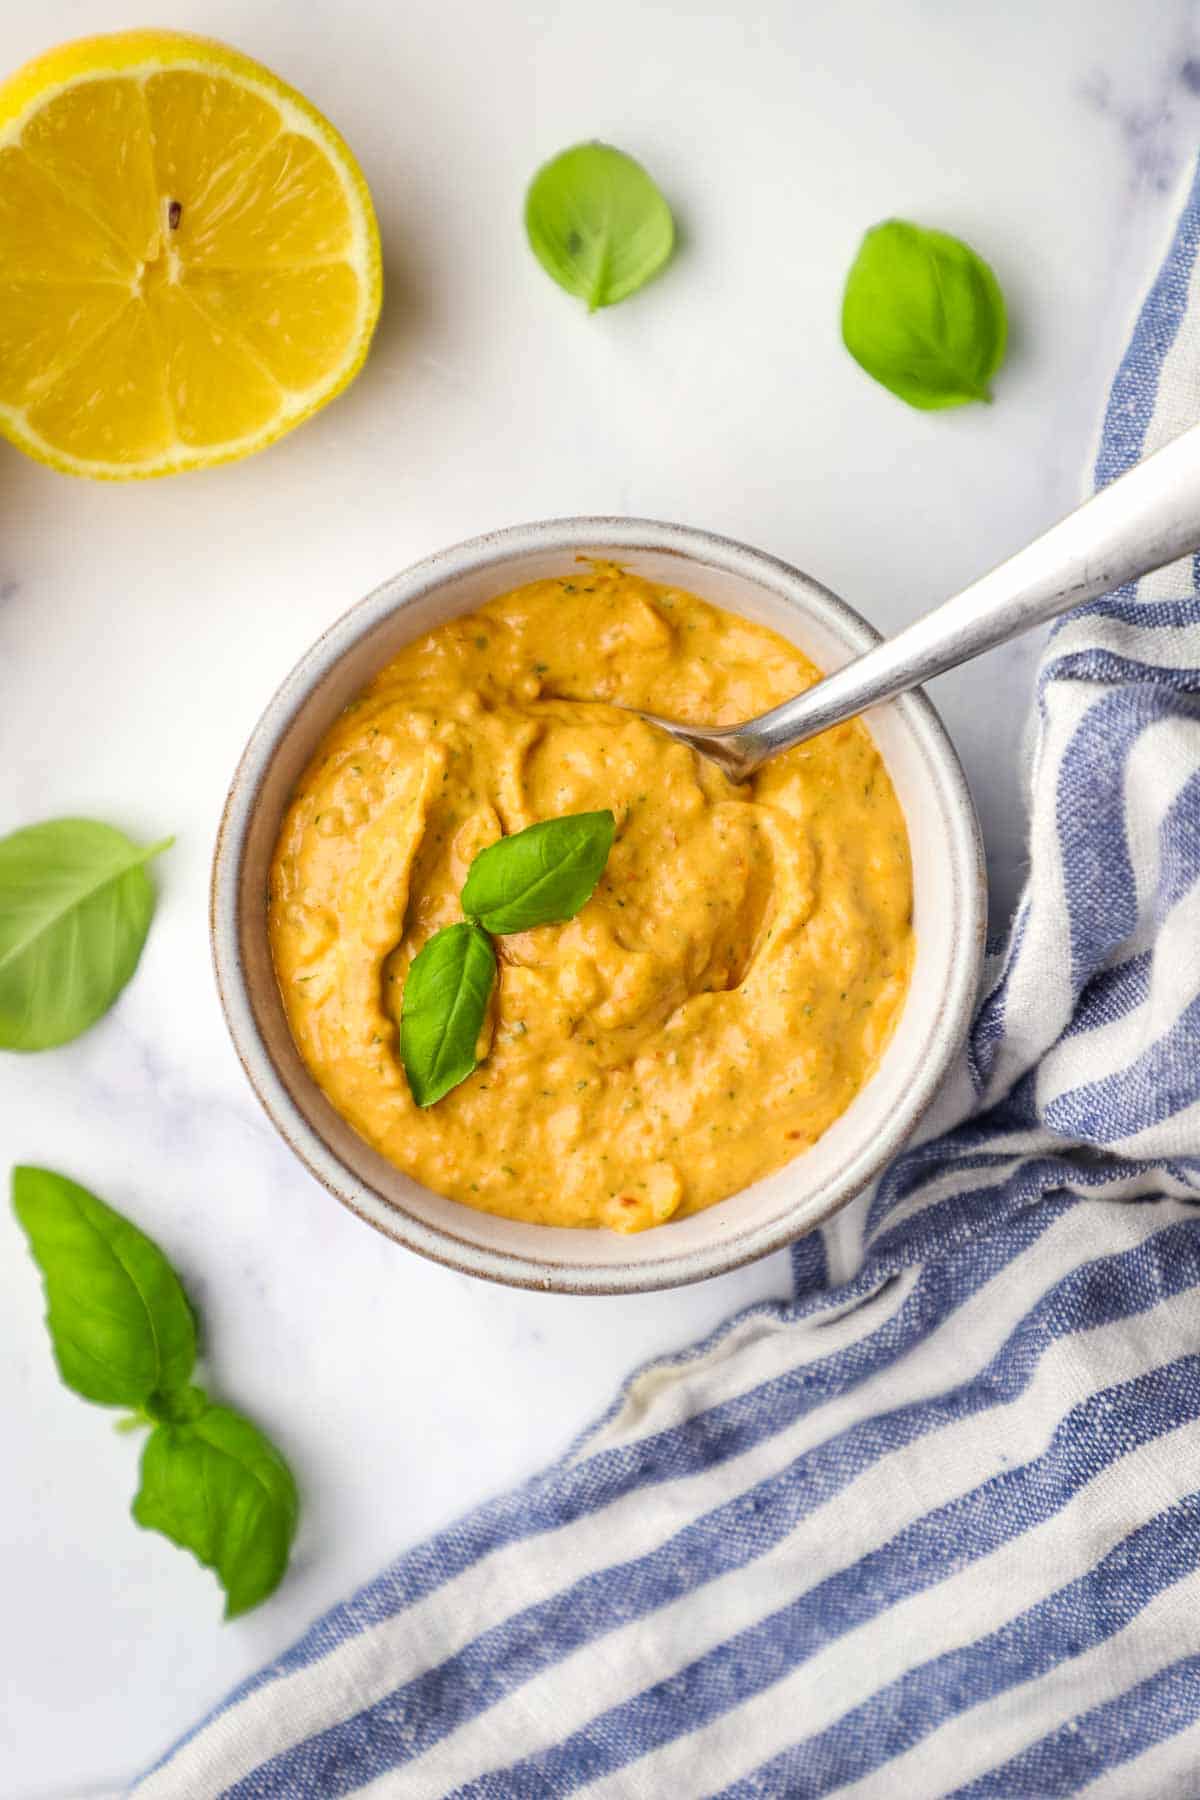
931 1529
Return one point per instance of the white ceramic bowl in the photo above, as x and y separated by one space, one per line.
950 914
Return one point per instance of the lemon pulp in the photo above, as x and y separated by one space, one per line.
189 262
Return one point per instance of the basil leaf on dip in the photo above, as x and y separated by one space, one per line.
539 876
924 315
446 994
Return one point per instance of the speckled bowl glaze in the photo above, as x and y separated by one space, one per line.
950 915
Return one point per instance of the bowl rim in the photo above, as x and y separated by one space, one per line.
493 549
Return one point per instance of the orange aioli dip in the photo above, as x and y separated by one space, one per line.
717 1003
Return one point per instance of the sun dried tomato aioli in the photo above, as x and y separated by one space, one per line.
716 1004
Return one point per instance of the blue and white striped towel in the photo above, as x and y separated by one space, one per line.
937 1528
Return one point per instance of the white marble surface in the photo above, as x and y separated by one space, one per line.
141 630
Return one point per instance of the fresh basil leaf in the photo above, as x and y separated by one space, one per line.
539 876
75 907
122 1329
597 223
924 315
446 994
217 1487
124 1335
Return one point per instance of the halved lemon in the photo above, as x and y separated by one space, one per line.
189 260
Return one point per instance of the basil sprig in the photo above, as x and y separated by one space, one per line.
75 907
597 223
924 315
124 1335
540 876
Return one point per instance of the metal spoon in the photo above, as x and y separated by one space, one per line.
1145 519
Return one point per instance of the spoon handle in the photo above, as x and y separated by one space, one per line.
1148 517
